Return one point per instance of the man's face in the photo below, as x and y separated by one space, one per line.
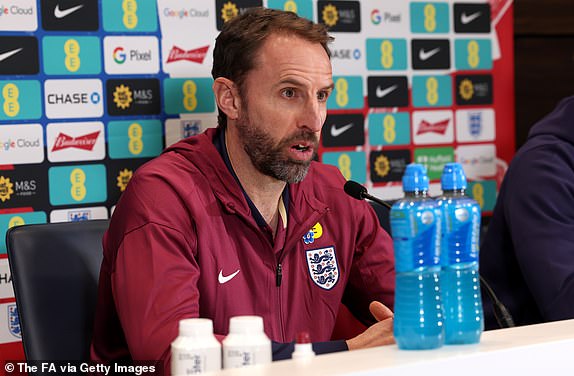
284 105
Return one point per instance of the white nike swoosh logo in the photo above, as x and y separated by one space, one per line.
336 132
464 19
224 279
383 93
6 55
425 55
58 13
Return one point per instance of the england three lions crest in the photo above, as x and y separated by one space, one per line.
14 321
323 268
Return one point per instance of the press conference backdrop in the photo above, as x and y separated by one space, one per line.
90 90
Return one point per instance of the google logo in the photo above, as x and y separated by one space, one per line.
119 55
375 17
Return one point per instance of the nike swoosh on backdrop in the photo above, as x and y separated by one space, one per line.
383 93
466 19
224 279
425 55
6 55
58 13
336 132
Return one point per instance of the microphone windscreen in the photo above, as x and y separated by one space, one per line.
355 190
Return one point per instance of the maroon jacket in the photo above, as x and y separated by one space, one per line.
183 227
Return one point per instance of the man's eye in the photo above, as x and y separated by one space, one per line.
322 95
289 93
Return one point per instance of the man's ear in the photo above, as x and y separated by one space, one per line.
227 97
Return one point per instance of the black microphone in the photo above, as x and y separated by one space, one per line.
359 192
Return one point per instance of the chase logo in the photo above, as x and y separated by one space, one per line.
70 15
18 15
6 290
133 97
429 17
473 54
73 98
303 8
8 221
227 9
432 91
388 165
19 55
351 164
386 54
72 185
473 89
129 15
188 95
134 139
72 55
391 128
20 100
340 16
347 94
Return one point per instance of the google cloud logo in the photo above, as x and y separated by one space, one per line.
119 55
375 17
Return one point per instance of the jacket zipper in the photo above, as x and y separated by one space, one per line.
278 278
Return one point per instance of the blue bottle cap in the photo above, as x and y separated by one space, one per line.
415 178
453 177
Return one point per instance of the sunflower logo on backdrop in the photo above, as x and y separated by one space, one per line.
5 188
123 179
382 166
123 97
330 15
229 11
466 89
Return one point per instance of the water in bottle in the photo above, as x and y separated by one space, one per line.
415 225
460 281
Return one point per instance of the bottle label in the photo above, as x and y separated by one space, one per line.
460 237
416 239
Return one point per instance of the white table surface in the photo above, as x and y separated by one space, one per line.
544 349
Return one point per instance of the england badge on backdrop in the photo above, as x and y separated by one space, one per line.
323 268
14 321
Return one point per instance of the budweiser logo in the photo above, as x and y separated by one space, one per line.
196 56
86 142
438 127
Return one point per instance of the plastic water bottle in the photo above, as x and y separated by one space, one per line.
246 344
195 350
460 281
415 224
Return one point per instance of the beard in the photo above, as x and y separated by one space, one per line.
269 157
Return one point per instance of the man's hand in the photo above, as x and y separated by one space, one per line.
378 334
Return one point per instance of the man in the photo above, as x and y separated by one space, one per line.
237 220
528 252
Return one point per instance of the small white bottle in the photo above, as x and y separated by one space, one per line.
247 344
195 350
303 347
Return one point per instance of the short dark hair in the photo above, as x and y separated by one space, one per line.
242 37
